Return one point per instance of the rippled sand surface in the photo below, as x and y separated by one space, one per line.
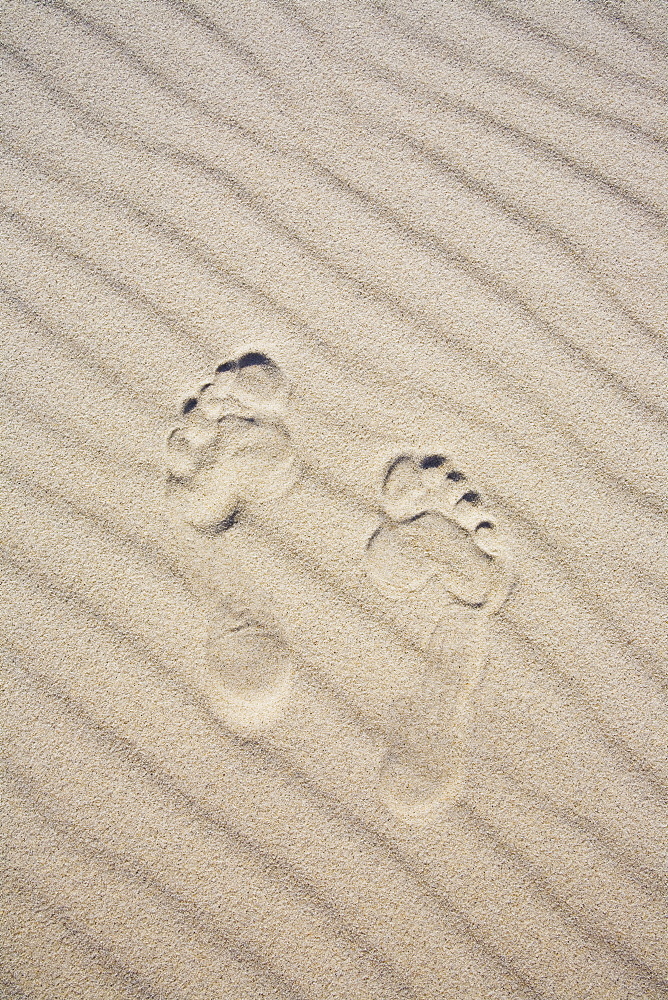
333 471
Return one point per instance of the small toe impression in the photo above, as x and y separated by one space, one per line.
435 472
467 510
404 493
488 539
189 406
442 479
450 493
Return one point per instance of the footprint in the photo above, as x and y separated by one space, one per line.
231 450
440 555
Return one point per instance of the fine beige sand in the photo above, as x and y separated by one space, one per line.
333 469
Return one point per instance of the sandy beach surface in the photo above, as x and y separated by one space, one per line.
334 440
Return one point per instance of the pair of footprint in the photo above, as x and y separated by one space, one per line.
435 544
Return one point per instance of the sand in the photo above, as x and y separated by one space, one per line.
333 508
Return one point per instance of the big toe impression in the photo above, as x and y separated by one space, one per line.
404 493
